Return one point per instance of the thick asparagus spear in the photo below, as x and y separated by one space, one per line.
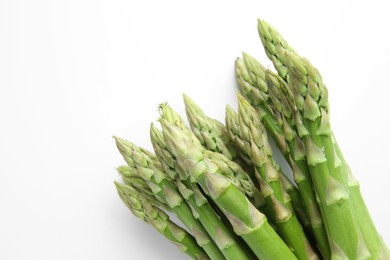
329 178
252 77
150 213
164 188
246 220
212 223
260 153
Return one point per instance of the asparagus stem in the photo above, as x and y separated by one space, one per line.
164 188
151 214
311 100
260 153
280 122
234 131
246 220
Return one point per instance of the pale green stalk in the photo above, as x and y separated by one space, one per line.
329 177
260 153
233 127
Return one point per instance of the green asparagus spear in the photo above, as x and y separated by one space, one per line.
210 132
131 178
329 178
213 135
260 153
235 134
151 214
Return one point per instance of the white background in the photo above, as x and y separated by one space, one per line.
73 73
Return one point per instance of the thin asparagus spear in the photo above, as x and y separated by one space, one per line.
210 132
161 185
260 153
235 134
213 135
280 119
131 177
234 131
329 178
150 213
223 238
246 220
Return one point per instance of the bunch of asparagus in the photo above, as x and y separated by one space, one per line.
222 182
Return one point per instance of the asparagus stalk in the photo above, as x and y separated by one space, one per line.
164 188
376 245
329 178
246 220
280 119
212 223
150 213
234 131
260 153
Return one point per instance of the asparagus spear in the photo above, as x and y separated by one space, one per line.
151 214
210 132
279 113
131 177
260 153
329 178
164 188
234 131
212 223
213 135
246 220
